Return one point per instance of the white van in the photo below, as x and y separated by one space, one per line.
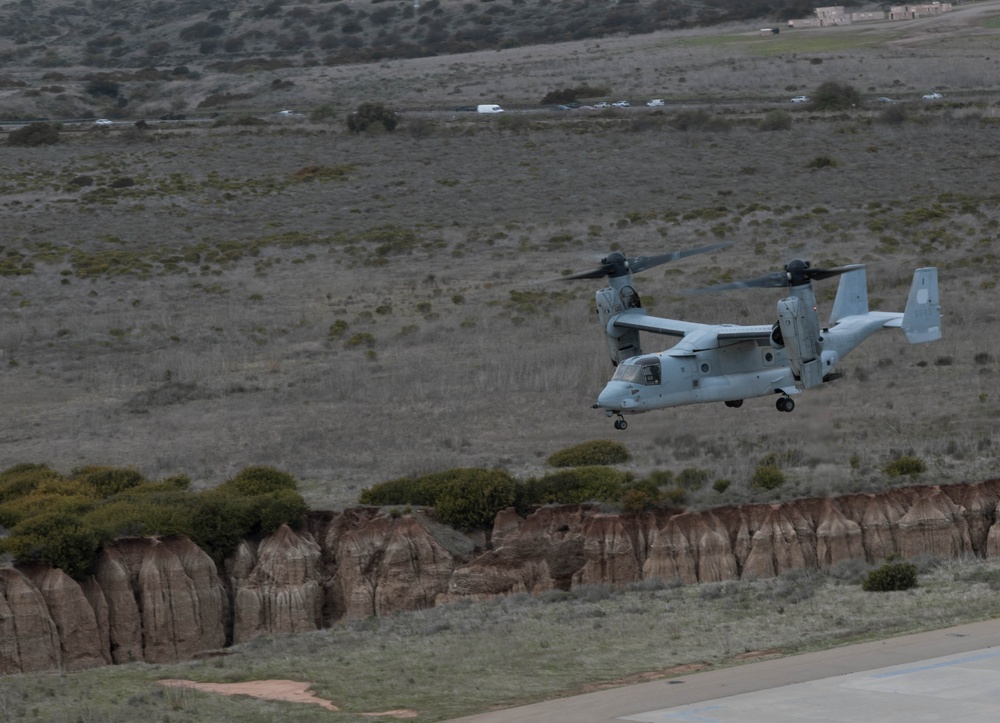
489 108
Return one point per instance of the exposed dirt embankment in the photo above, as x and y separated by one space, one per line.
163 600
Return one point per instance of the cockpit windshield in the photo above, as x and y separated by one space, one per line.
644 371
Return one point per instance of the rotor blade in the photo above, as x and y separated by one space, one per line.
641 263
820 274
597 273
773 280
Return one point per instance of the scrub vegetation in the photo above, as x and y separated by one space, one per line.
211 294
464 658
65 520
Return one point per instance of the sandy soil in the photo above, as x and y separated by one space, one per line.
289 691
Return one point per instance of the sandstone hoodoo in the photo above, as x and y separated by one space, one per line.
162 600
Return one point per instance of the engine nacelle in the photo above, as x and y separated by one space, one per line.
777 340
799 331
622 343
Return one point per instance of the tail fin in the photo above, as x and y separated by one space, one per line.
852 296
922 317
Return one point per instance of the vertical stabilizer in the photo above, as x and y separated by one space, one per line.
922 317
852 296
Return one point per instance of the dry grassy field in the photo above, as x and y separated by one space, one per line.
197 298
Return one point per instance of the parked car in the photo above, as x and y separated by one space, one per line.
655 102
933 96
103 122
602 104
800 99
620 104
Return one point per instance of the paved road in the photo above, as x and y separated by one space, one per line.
948 674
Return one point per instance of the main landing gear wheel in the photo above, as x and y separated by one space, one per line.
735 403
620 423
784 404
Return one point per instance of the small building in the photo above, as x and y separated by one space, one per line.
912 12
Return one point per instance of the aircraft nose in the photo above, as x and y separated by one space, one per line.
614 396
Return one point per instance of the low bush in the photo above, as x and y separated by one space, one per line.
574 486
776 120
372 117
835 96
721 485
595 452
906 465
259 480
473 500
64 521
767 477
34 134
464 497
890 577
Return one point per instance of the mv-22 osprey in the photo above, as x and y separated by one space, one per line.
729 363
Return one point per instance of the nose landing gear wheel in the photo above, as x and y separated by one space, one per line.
784 404
620 423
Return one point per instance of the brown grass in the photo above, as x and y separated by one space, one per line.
181 324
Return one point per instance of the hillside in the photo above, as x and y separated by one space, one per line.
119 35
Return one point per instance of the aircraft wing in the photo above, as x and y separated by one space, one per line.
657 325
725 333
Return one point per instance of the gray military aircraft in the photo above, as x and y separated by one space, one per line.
729 363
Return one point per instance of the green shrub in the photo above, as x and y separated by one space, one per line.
107 481
574 486
635 501
894 115
54 538
692 478
23 508
721 485
767 477
598 451
835 96
822 162
22 479
337 329
34 134
472 500
64 521
776 120
891 576
259 480
371 117
905 465
159 513
674 496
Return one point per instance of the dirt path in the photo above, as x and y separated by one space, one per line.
290 691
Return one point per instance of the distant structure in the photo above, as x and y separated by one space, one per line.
838 15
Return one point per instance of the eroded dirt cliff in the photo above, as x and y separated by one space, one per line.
163 600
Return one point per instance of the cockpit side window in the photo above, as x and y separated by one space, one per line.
650 371
646 372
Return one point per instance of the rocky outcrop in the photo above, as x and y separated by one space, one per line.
277 586
163 600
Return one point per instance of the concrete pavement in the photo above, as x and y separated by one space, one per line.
952 673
